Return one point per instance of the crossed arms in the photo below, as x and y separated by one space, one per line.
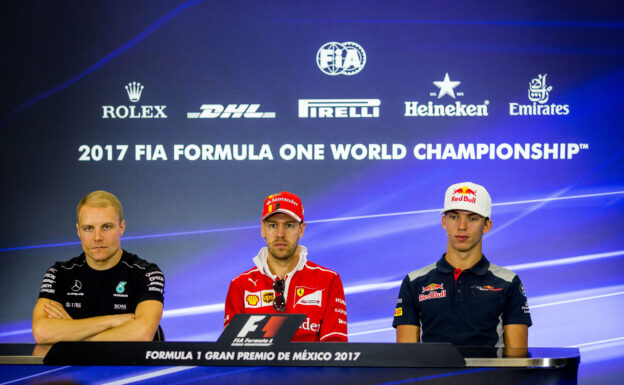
51 323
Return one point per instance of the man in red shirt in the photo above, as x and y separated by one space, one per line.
283 280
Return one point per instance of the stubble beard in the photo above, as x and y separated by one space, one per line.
287 255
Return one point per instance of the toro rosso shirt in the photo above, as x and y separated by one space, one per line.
466 308
309 289
85 292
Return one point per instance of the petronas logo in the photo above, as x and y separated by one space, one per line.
121 287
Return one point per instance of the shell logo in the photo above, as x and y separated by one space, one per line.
252 299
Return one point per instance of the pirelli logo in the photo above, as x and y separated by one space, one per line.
339 108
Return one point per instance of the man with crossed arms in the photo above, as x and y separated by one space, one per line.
106 293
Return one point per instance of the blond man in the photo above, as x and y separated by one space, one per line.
104 294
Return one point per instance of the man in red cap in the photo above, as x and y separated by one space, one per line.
283 280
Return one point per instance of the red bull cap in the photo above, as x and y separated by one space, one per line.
468 196
283 202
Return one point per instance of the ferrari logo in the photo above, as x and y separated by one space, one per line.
300 292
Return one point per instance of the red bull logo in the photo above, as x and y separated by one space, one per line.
464 196
465 190
432 287
432 290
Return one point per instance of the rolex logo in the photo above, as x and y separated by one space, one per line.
134 90
133 111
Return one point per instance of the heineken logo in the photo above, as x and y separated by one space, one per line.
121 287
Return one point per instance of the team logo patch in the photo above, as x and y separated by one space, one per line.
431 291
121 287
488 288
77 285
398 312
313 298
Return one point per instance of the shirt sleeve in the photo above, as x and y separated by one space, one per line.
334 324
406 311
516 307
51 284
151 284
233 303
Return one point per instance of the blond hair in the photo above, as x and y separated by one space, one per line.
100 198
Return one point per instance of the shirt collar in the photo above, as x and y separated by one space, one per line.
260 261
480 268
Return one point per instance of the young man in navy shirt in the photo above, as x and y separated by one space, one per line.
463 298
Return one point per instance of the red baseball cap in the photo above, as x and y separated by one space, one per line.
283 202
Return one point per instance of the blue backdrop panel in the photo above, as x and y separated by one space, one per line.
367 110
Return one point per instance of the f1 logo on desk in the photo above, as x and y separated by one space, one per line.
261 329
270 329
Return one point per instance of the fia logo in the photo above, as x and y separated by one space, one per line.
121 287
346 58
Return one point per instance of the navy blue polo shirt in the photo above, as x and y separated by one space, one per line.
466 308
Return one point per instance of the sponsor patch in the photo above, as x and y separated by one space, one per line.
252 300
257 299
309 297
432 291
398 312
488 288
268 297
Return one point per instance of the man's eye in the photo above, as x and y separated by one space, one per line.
290 226
474 219
272 226
87 228
107 227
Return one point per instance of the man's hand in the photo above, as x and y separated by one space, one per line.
56 310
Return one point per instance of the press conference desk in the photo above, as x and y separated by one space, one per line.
300 363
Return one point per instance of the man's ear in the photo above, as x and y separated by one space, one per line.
487 226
